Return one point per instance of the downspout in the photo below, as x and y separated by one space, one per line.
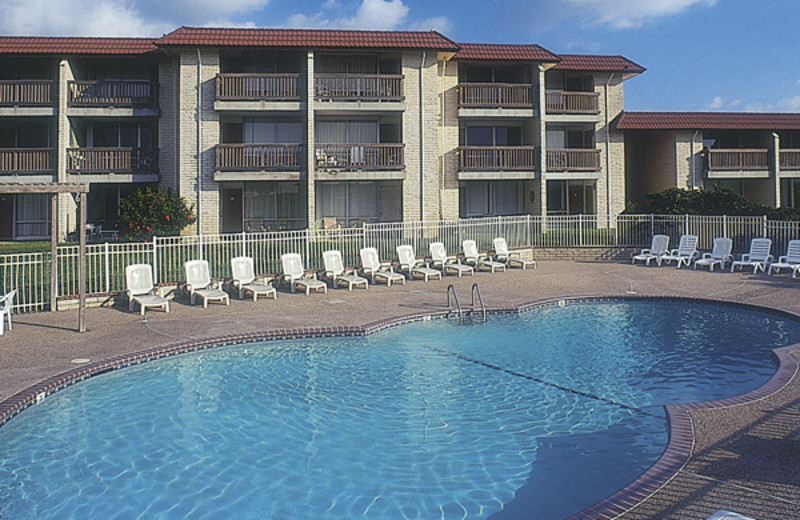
421 142
691 154
199 143
608 150
442 114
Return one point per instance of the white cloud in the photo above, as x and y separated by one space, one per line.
717 103
371 14
625 14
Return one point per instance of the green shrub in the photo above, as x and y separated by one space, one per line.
147 212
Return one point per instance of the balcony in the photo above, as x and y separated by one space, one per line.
123 163
568 160
738 163
26 97
107 97
496 162
35 164
257 92
364 88
790 161
360 161
243 162
495 99
562 102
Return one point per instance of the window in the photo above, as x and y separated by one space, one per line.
259 131
352 203
32 216
274 206
492 136
490 198
571 198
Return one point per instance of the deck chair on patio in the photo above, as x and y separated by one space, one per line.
658 248
409 264
791 260
296 276
477 260
198 283
245 281
336 273
440 260
720 255
372 266
6 303
510 258
759 256
139 289
685 254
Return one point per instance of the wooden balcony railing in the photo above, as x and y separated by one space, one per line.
26 93
361 87
573 160
113 94
122 160
258 87
357 156
790 159
497 158
561 102
26 161
258 157
738 159
495 95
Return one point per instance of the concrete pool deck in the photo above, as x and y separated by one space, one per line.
744 456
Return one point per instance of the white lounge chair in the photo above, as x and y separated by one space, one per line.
198 283
685 254
477 260
440 260
759 256
658 248
336 273
720 255
791 260
409 263
510 258
6 304
372 266
139 289
245 281
295 274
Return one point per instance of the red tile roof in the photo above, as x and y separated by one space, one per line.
306 38
707 121
503 52
592 63
65 46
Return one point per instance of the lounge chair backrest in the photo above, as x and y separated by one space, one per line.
437 251
292 265
242 269
660 244
369 258
139 279
197 273
333 262
470 248
760 248
405 254
722 248
687 245
7 300
793 251
500 246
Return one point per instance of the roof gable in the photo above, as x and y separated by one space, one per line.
587 62
708 121
504 52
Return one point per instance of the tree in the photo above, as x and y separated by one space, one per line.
151 212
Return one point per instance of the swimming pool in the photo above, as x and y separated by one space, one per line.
529 414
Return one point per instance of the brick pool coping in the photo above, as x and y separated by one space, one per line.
680 430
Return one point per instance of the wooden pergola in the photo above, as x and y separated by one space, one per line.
79 191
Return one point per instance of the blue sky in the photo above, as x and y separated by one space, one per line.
700 55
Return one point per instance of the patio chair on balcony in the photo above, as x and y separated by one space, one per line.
658 248
440 260
245 281
791 260
471 257
720 255
296 276
510 258
336 273
685 254
198 283
6 304
412 266
140 289
372 266
759 256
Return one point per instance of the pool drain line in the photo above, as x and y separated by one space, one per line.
542 381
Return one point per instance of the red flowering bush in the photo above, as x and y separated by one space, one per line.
147 212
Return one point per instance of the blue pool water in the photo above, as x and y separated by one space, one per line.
532 416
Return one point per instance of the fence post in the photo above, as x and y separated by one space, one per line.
108 271
764 224
686 224
308 248
725 226
244 244
580 229
155 261
652 224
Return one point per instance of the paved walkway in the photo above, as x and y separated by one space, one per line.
744 458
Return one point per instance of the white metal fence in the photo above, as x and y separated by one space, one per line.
29 273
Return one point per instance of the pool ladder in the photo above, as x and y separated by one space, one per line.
453 297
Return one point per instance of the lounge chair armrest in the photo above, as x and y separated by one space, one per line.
782 259
706 256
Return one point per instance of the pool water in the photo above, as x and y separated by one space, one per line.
531 416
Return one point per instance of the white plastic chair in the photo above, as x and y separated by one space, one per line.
510 258
479 261
336 273
372 266
759 256
244 279
658 248
139 289
440 260
295 274
791 260
409 263
720 254
198 283
6 305
685 254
